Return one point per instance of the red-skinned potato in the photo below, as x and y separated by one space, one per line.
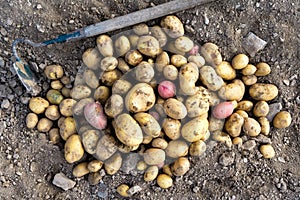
94 114
223 110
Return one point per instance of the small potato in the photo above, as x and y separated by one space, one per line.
89 140
56 85
149 46
172 128
122 190
184 44
210 78
263 91
160 35
122 45
80 92
121 87
178 60
122 65
282 119
54 96
66 107
240 61
267 151
66 92
44 125
214 99
195 129
263 69
151 173
249 70
94 115
133 57
60 121
144 72
101 94
141 29
172 49
180 166
170 72
38 105
109 78
73 149
106 147
65 80
67 128
172 26
265 125
78 107
245 105
161 61
223 110
133 39
164 181
114 105
249 80
52 112
197 148
94 178
159 143
261 109
148 124
211 54
91 58
226 71
80 170
222 137
234 124
177 148
251 127
198 104
54 136
141 165
108 63
232 91
31 120
175 109
188 76
197 59
167 170
237 141
243 113
105 45
215 124
113 164
95 165
166 89
154 156
54 72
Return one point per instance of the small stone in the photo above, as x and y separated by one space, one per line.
286 82
5 104
252 44
227 158
196 189
103 191
25 100
39 6
273 110
130 162
206 20
60 180
133 190
3 31
262 139
281 159
2 62
249 145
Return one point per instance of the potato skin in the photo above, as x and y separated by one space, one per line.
122 45
211 53
177 148
105 45
154 156
267 151
90 78
106 147
240 61
78 107
73 149
198 104
232 91
52 112
172 26
31 120
180 166
265 125
113 164
164 181
54 72
263 91
149 46
263 69
261 109
197 148
148 124
151 173
80 92
67 128
172 128
184 44
89 140
91 58
210 78
44 125
114 105
175 109
160 35
245 105
188 75
80 170
226 71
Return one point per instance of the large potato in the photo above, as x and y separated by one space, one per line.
159 34
54 72
67 128
121 86
226 71
144 72
154 156
198 104
89 140
188 76
251 127
78 107
73 149
105 45
234 124
38 105
54 96
282 119
52 112
175 109
180 166
211 54
149 46
122 45
177 148
263 91
66 107
80 92
210 78
31 120
106 147
172 26
171 128
113 164
195 129
109 78
91 58
148 124
232 91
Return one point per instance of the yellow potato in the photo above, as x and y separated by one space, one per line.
198 104
54 136
171 128
151 173
172 49
237 141
31 120
222 137
154 156
106 147
261 109
56 85
263 91
172 26
149 46
78 107
226 71
195 129
67 128
242 113
144 72
232 91
282 119
133 39
215 124
91 58
141 165
198 60
113 164
121 87
94 178
249 70
66 92
234 124
178 60
210 78
114 105
89 140
188 76
101 94
267 151
80 92
240 61
94 165
170 72
52 112
197 148
265 125
159 143
54 72
38 105
109 78
54 96
159 34
122 190
184 44
167 170
249 80
245 105
161 61
180 166
122 45
174 108
80 170
105 45
148 124
73 149
66 107
263 69
164 181
177 148
251 127
133 57
122 65
44 125
211 54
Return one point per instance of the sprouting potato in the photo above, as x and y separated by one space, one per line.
184 44
52 112
197 59
161 61
108 63
232 91
91 58
31 120
226 71
149 46
249 80
171 128
148 124
80 170
188 76
198 104
195 129
210 78
113 164
261 109
154 156
263 69
164 181
89 140
73 149
159 143
267 151
222 137
78 107
114 105
101 94
109 78
175 109
159 34
133 39
54 96
133 57
54 72
234 125
144 72
245 105
141 29
249 70
263 91
121 87
211 54
180 166
251 127
95 165
122 190
105 45
151 173
177 148
240 61
56 85
54 136
197 148
122 45
172 26
170 72
80 92
44 125
265 125
106 147
67 128
122 65
178 60
66 107
282 119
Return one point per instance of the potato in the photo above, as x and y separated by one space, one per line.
223 110
172 26
141 29
140 98
240 61
237 141
249 80
80 92
91 58
261 109
78 107
128 130
197 148
215 124
94 178
101 94
234 124
249 70
174 108
167 170
80 170
122 45
197 59
232 91
148 124
122 190
94 165
263 69
245 105
121 87
198 104
56 85
164 181
171 128
263 91
173 50
166 89
265 125
211 54
66 92
154 156
106 147
114 105
149 46
105 45
67 128
195 129
31 120
44 125
73 149
188 76
243 113
122 65
159 34
89 140
133 57
178 60
108 63
141 165
109 78
54 72
177 148
184 44
210 78
161 61
144 72
282 119
267 151
54 136
251 127
159 143
222 137
38 105
214 99
180 166
170 72
60 121
226 71
52 112
94 115
54 96
151 173
113 164
133 39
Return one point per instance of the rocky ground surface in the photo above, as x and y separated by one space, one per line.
28 162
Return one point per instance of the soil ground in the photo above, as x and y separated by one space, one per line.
28 162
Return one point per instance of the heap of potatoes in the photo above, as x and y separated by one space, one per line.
153 92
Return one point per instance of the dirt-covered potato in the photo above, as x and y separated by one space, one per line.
94 115
172 26
249 70
122 65
122 190
54 96
105 45
234 125
106 147
211 54
94 165
170 72
148 124
251 127
173 50
154 156
141 165
80 92
263 69
180 166
141 29
195 129
66 107
113 164
184 44
263 91
198 104
31 120
44 125
140 98
89 140
197 59
54 136
171 128
178 60
177 148
144 72
101 94
267 151
160 35
197 148
249 80
159 143
188 76
80 170
149 46
245 105
215 124
265 125
52 112
121 86
122 45
38 105
91 58
232 91
226 71
261 109
151 173
237 141
210 78
175 109
109 78
67 128
161 61
282 119
214 99
164 181
133 57
114 105
240 61
78 107
73 149
54 72
56 85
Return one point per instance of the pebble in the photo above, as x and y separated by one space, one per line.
262 139
3 31
273 110
5 104
133 190
252 44
227 158
2 62
130 162
62 181
103 190
281 159
206 20
196 189
25 100
286 82
249 145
